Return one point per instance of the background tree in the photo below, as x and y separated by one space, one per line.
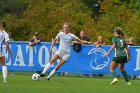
24 17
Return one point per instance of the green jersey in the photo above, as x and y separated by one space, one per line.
120 46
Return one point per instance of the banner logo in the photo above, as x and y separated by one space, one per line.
98 60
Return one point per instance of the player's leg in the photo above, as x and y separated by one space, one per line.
56 68
125 76
112 71
48 65
4 68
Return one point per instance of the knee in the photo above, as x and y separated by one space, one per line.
3 64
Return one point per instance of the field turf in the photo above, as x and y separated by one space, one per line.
66 84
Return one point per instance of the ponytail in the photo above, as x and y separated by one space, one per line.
119 32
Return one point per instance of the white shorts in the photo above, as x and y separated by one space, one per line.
63 55
1 54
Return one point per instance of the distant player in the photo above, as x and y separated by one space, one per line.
122 54
4 37
63 52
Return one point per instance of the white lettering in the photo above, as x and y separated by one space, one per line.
19 57
137 60
31 52
47 56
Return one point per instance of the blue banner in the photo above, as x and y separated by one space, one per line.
89 60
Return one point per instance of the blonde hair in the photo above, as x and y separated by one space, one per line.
1 27
131 40
98 41
83 31
68 24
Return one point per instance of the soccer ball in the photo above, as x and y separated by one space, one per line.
35 76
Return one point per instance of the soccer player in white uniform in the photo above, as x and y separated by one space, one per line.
4 37
63 52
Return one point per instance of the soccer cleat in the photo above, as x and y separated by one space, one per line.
5 81
47 79
42 75
128 83
115 80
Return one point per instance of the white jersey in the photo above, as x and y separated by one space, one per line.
3 37
65 41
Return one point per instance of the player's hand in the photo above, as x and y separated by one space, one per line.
11 55
128 58
91 42
106 55
97 45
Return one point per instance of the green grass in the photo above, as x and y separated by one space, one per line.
65 84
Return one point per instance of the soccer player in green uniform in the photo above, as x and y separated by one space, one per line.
122 55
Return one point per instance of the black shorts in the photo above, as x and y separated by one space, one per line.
120 59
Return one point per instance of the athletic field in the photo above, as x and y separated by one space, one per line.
66 84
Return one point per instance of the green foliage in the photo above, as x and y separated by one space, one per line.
16 7
48 16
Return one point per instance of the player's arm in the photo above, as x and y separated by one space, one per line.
8 48
82 41
75 42
53 42
7 44
128 53
111 49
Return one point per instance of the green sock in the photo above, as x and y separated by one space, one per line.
113 74
125 76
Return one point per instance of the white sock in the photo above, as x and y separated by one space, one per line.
53 72
46 68
4 72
